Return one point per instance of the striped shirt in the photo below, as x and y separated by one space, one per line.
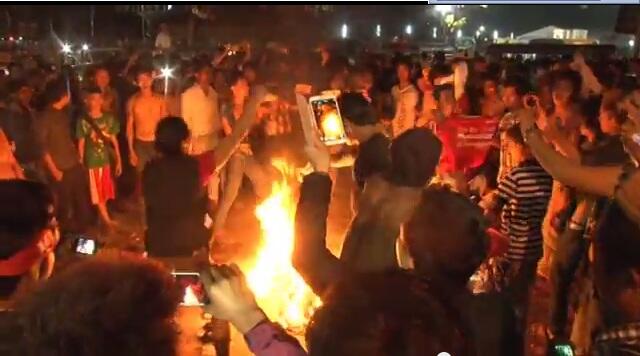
524 194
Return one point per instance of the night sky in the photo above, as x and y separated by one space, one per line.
525 18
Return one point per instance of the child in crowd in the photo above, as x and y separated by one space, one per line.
98 146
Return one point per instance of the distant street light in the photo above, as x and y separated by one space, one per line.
459 34
66 48
495 35
435 32
408 30
344 32
378 30
632 43
481 28
85 47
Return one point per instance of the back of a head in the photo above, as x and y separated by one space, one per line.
357 110
414 157
446 235
171 133
107 305
518 82
384 314
54 91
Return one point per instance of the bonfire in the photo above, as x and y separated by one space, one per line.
279 289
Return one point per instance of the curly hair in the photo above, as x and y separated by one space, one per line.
109 305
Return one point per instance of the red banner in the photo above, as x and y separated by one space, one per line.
465 141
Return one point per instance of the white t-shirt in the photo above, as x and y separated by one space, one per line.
406 100
200 112
163 41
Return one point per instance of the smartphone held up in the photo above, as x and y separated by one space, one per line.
321 116
194 293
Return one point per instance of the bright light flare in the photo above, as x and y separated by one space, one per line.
166 72
85 47
66 48
279 289
344 31
443 9
631 43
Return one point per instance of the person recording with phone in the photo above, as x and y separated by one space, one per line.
28 236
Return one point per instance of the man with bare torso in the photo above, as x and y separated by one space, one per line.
144 110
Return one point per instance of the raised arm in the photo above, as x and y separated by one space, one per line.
229 144
311 258
600 181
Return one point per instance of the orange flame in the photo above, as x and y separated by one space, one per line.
279 289
331 126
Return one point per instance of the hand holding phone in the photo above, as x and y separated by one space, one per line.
231 298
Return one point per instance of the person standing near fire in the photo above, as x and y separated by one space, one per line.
144 110
98 146
200 112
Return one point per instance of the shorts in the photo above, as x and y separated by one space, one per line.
101 185
145 150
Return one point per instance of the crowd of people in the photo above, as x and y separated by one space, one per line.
555 199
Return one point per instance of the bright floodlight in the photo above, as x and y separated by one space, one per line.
632 43
495 35
166 72
66 48
85 47
459 34
344 31
481 28
169 7
408 30
378 30
443 9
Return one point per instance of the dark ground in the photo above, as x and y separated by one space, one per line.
243 229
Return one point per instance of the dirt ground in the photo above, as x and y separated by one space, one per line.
243 229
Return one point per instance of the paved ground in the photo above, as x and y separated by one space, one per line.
244 229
